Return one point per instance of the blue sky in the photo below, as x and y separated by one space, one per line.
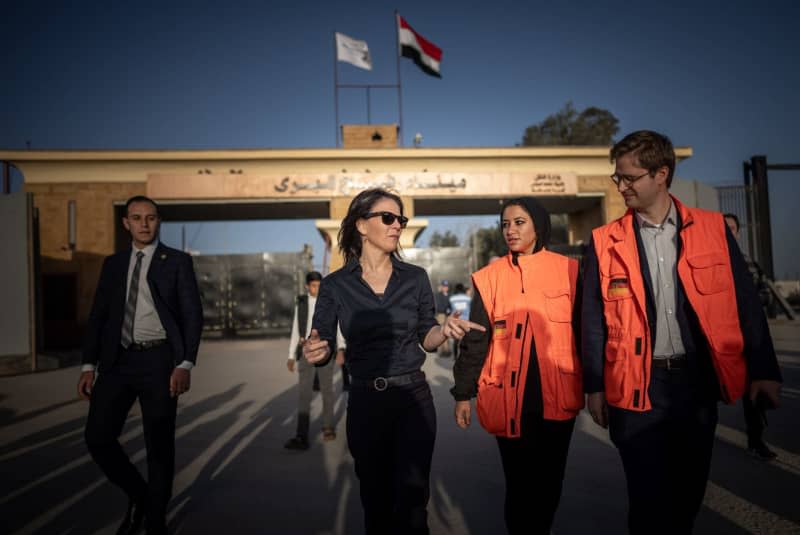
721 77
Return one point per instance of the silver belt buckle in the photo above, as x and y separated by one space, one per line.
380 384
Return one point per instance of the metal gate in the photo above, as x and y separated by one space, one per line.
737 200
753 214
250 293
454 264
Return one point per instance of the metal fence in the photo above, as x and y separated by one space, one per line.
744 202
734 200
454 264
250 293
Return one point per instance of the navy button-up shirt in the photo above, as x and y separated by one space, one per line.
384 333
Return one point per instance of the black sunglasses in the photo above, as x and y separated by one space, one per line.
387 218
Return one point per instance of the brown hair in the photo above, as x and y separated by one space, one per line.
653 150
360 206
140 198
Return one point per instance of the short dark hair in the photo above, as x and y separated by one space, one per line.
312 276
140 198
460 288
653 150
734 217
361 205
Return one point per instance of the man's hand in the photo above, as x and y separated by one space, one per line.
340 357
596 403
314 349
85 383
180 382
290 364
463 414
771 390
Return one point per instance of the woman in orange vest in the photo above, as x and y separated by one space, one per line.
524 369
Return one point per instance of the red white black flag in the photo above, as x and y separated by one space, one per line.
425 54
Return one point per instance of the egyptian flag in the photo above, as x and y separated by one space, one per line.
425 54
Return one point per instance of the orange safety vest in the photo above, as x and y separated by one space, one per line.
528 299
704 270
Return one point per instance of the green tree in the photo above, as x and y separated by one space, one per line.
488 242
448 239
592 126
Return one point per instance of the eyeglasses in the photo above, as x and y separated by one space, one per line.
388 218
627 180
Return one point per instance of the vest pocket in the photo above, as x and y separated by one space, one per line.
732 376
709 272
491 406
558 305
570 391
615 371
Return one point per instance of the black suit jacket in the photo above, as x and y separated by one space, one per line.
173 285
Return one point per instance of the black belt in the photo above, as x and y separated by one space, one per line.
382 383
675 362
147 344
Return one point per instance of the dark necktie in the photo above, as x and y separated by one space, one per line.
130 305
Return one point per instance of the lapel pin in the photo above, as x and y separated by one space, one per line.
163 256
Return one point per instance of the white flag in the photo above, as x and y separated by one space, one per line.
353 51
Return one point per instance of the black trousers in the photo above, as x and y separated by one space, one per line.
666 453
753 422
391 436
142 375
534 467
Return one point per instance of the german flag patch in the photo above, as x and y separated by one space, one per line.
618 288
500 328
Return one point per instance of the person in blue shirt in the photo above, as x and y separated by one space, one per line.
459 302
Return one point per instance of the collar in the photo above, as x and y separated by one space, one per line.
149 250
671 218
525 259
354 265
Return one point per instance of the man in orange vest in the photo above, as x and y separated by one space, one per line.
671 323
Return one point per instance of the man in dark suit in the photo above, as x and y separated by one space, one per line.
142 339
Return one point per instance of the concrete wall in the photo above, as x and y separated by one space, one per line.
695 194
16 273
95 231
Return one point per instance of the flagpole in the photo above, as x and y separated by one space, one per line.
399 82
336 90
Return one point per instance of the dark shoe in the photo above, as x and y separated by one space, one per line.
761 451
297 443
328 434
134 518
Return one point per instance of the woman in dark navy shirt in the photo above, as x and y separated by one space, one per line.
386 311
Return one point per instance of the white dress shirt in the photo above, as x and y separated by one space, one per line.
294 338
146 323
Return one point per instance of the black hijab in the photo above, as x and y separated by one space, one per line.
540 216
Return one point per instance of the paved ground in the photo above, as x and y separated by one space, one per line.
234 475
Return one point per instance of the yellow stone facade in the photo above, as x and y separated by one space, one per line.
441 177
